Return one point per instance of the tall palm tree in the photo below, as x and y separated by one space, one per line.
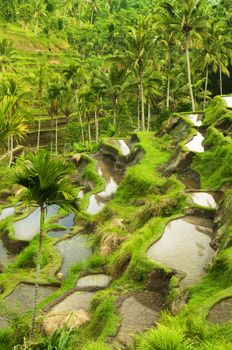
67 107
138 54
12 87
75 75
53 100
45 182
190 19
12 122
114 80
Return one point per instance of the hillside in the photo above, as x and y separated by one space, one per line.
115 175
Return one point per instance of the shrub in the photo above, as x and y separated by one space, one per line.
164 338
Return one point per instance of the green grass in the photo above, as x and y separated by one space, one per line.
218 158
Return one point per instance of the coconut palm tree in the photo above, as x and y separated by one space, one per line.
114 80
14 88
138 54
45 182
190 19
53 101
12 122
75 75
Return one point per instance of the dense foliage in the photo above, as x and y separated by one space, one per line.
111 66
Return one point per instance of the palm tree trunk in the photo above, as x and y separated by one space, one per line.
56 146
142 100
138 117
92 14
115 102
89 130
168 93
96 125
11 149
169 82
38 135
189 74
51 147
148 116
80 120
206 84
42 215
220 77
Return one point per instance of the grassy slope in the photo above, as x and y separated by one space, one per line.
26 41
144 185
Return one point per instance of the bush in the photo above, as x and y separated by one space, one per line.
164 338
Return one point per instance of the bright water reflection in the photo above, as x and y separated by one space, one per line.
204 199
7 212
97 201
124 148
194 118
228 100
28 227
184 246
195 145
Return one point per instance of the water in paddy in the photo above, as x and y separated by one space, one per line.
195 145
80 194
22 298
124 148
28 227
204 199
194 118
5 257
105 168
73 250
7 212
185 247
67 222
228 100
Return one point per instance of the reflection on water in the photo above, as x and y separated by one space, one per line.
73 250
67 222
7 212
22 298
184 246
105 168
195 145
28 227
5 258
228 100
124 148
80 194
194 118
204 199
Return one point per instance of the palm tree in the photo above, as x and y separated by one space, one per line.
12 122
114 80
67 107
94 6
45 182
11 87
53 100
189 18
7 53
138 55
38 79
76 76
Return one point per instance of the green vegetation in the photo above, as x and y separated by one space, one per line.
75 77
